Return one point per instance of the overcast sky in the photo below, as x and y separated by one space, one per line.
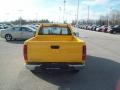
53 9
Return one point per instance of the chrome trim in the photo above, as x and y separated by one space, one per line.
77 66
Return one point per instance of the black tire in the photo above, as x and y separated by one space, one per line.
8 37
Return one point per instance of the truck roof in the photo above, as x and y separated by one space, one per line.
51 24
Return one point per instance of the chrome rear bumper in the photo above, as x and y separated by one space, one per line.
32 66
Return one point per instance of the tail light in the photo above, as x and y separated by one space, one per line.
84 53
25 52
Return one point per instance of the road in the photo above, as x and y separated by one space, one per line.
102 71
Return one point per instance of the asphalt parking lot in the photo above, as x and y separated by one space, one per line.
102 71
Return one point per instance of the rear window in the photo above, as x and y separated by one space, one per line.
54 31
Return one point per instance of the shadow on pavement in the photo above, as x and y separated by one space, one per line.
17 41
99 74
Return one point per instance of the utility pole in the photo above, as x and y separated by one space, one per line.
88 15
59 14
77 14
20 17
64 11
108 18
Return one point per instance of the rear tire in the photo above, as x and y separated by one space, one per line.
8 37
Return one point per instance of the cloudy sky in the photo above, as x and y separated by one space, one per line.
53 9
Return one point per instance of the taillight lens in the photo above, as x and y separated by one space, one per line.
25 52
84 53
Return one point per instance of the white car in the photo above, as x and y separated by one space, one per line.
17 32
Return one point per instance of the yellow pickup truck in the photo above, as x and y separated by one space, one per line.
54 45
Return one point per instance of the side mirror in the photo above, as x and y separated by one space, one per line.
76 34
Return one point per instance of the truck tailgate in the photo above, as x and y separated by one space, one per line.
55 51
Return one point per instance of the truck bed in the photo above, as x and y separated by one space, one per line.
55 49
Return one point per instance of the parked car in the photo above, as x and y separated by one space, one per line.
91 27
115 29
104 28
99 28
88 27
32 26
94 28
1 27
84 27
109 28
5 25
55 46
18 32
